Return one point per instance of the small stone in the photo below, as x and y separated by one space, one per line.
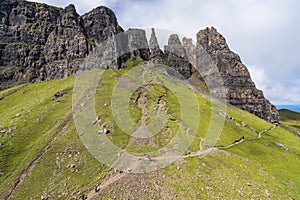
72 165
105 131
58 94
282 146
44 197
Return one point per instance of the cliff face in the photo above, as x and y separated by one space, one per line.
240 89
40 42
176 56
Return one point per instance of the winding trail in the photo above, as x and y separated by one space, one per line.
142 104
117 176
270 129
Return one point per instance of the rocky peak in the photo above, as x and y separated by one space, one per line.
190 48
153 43
69 17
137 43
156 54
43 42
240 89
100 23
176 56
175 46
211 39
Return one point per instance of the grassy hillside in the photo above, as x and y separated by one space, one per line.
41 153
290 118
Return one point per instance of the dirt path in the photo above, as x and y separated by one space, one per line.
112 179
142 105
233 144
200 144
142 135
270 129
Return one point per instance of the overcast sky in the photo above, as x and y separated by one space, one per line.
266 34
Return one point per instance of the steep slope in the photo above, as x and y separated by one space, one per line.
42 154
240 89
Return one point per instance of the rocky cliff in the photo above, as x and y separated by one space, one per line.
240 89
41 42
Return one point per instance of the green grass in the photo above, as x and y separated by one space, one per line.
37 127
7 92
290 119
42 122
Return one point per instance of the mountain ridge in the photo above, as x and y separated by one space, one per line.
41 43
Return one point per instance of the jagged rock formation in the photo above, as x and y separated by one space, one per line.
156 54
176 56
240 89
41 42
137 43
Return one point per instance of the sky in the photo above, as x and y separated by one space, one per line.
266 34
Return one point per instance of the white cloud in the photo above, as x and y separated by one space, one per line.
266 34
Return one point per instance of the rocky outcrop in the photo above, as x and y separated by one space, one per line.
99 24
176 56
66 46
42 42
113 52
138 44
156 54
240 89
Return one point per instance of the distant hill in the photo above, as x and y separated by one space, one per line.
295 108
286 114
290 119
